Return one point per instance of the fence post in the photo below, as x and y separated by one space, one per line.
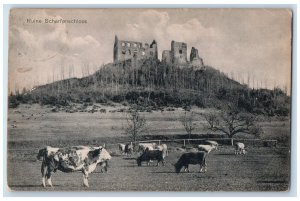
231 141
184 143
158 142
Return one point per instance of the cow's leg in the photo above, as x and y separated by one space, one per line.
44 172
49 178
85 178
186 168
148 163
202 166
163 162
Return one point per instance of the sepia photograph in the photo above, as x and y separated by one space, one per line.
149 99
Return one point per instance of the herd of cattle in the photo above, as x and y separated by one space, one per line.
85 159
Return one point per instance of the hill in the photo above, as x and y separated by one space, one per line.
152 85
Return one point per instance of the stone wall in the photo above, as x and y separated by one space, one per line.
166 57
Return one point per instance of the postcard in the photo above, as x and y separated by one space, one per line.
142 99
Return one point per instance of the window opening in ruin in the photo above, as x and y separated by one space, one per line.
123 52
134 45
129 52
123 44
180 51
143 53
128 44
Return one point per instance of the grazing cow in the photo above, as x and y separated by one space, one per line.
163 148
128 149
213 143
191 158
80 158
144 146
239 148
206 148
151 155
122 148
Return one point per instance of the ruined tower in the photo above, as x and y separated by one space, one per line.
178 55
124 50
195 60
179 52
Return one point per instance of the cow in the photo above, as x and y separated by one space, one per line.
206 148
213 143
79 158
239 148
144 146
122 148
128 149
163 148
149 155
193 158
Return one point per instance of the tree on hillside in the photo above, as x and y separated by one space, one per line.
232 122
136 125
188 122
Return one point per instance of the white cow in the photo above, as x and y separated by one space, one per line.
144 146
206 148
239 148
214 143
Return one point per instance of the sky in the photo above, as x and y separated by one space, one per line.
243 43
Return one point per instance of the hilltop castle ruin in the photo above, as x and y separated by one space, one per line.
125 50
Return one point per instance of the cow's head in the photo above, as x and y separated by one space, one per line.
41 154
177 167
102 154
243 151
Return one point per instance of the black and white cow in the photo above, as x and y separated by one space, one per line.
122 148
193 158
78 158
128 149
163 148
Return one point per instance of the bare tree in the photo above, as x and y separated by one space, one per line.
188 122
232 122
136 125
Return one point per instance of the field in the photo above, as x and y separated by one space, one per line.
33 127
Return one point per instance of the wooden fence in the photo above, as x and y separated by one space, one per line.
221 141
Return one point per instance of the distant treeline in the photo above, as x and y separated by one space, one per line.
150 83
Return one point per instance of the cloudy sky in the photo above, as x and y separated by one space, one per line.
239 42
